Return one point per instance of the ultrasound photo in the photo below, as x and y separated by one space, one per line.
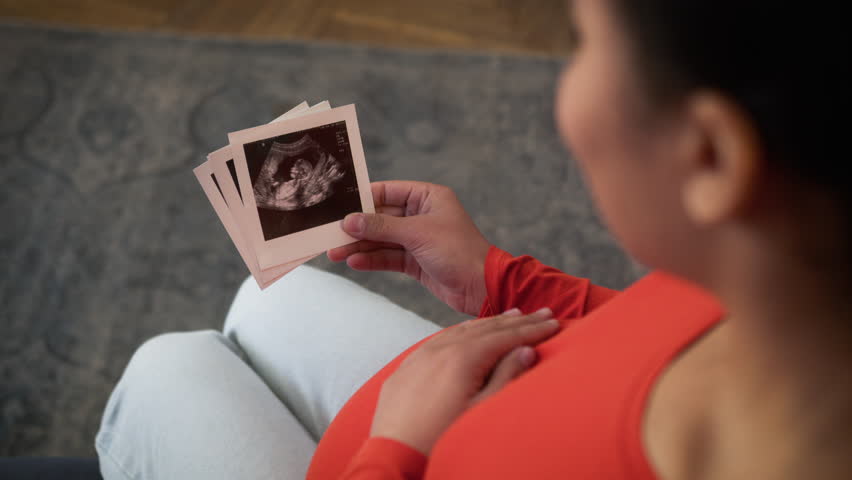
280 189
303 179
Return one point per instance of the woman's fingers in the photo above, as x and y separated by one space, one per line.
510 366
391 260
498 342
508 319
395 192
391 210
494 337
341 253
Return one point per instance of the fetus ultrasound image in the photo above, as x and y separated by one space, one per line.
303 179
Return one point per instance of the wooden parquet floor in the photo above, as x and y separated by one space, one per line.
531 26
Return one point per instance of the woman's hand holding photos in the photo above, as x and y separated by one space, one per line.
422 230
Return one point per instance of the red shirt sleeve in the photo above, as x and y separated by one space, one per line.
527 284
383 458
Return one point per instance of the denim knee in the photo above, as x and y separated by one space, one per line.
140 404
167 354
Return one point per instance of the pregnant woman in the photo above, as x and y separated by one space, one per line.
707 132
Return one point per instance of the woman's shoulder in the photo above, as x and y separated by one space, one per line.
678 419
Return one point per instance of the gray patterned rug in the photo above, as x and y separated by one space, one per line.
108 239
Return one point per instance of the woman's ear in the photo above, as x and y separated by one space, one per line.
724 159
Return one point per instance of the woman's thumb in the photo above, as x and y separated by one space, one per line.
377 227
516 362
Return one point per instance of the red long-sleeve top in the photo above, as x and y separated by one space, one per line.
575 414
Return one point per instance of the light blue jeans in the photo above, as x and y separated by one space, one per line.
252 402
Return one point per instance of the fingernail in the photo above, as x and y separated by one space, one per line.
512 312
552 323
543 312
527 356
354 223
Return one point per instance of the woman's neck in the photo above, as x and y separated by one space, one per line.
785 389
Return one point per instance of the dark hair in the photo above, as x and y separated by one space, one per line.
785 63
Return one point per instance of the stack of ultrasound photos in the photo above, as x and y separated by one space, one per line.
281 189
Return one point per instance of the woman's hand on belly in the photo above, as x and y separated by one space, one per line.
453 371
